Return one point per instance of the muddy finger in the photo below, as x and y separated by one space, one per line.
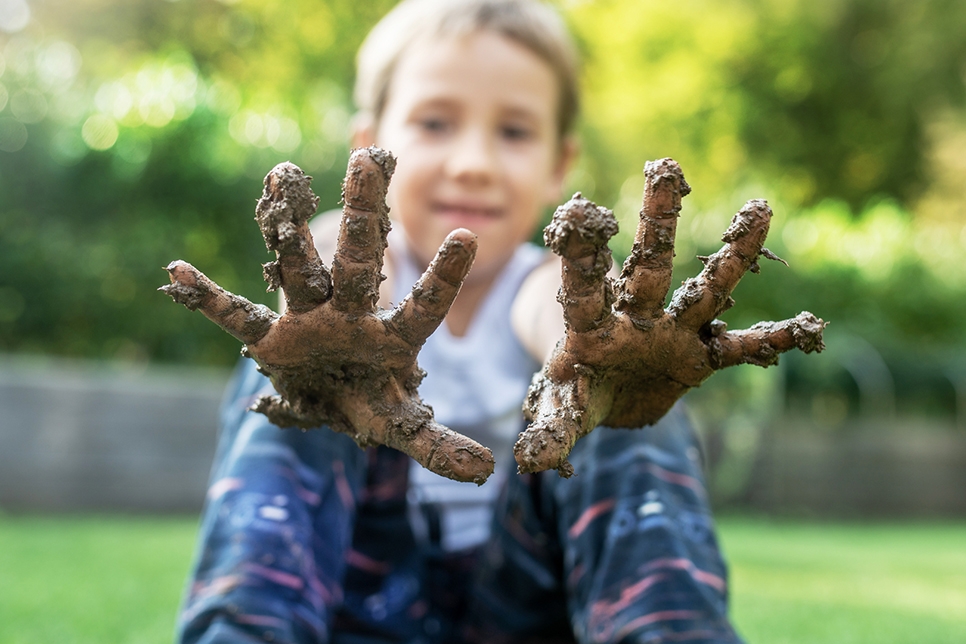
762 343
357 265
579 233
703 298
283 214
245 320
560 413
646 274
545 445
411 429
279 412
397 418
453 455
425 307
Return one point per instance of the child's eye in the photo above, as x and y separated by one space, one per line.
516 132
434 125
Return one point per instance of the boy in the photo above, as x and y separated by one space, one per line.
306 538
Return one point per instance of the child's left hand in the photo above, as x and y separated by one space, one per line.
334 357
625 359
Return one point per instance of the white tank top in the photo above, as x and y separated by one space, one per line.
476 385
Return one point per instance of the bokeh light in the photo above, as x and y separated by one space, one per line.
14 15
99 132
13 134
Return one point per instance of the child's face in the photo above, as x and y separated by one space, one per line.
473 123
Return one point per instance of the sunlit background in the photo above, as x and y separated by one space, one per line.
134 132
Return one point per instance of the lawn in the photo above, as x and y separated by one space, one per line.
91 580
846 584
118 580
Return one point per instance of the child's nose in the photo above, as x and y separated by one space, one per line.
473 158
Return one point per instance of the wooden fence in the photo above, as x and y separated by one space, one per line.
82 437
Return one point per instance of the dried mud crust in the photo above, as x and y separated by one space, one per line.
334 358
625 359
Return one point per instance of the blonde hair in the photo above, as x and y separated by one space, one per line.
530 23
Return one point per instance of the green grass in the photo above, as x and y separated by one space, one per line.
844 584
119 580
91 580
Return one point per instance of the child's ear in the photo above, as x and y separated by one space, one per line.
569 150
362 130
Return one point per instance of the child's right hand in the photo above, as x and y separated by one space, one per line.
334 357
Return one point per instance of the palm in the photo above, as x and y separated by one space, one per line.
626 359
334 357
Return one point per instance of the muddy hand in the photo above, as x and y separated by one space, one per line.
626 359
334 357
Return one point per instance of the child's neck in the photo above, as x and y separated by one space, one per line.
466 305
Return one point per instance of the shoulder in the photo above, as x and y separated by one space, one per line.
536 316
325 233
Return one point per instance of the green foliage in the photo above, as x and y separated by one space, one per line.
133 133
817 99
152 127
876 274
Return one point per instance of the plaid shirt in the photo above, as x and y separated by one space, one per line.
306 538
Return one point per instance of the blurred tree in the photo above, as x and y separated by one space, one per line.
818 99
142 135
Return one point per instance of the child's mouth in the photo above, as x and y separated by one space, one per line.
462 215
